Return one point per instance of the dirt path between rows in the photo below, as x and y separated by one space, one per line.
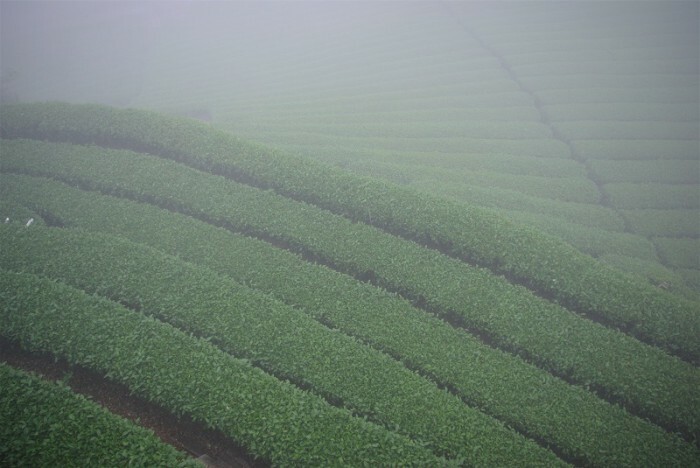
211 447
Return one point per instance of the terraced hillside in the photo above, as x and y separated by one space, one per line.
316 317
579 118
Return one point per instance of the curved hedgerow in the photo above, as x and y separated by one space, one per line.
74 430
557 340
542 263
274 336
518 394
272 419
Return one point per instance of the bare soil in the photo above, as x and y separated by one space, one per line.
211 447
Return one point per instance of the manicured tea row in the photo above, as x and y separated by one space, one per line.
664 223
591 240
656 273
640 150
271 418
596 63
652 130
681 252
562 189
692 277
504 163
545 147
651 95
520 395
462 129
18 213
665 171
628 47
405 101
653 195
46 424
274 336
585 214
553 337
630 111
543 263
590 80
262 117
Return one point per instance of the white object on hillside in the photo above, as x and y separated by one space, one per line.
29 223
7 220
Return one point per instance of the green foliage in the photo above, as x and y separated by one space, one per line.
540 262
641 150
679 252
595 242
629 111
664 196
664 223
652 130
46 424
665 171
493 162
511 315
16 212
474 129
271 418
518 394
656 274
563 189
276 337
650 94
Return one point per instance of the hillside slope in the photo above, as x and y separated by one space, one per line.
348 288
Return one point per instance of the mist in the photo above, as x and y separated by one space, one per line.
579 118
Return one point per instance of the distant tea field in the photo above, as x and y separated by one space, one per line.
580 119
582 124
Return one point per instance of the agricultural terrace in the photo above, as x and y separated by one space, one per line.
374 323
447 234
578 119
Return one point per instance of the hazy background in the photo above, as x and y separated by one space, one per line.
580 118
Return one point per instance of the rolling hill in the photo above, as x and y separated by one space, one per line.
318 317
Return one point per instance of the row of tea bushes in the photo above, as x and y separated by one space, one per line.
663 171
631 111
540 262
475 129
46 424
553 337
272 419
558 189
664 223
640 150
656 196
518 394
284 341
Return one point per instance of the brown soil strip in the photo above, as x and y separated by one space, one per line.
211 447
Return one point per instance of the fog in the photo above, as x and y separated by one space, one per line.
154 53
110 51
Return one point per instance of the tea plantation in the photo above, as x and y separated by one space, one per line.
321 318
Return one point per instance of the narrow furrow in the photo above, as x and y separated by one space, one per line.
183 433
544 117
272 418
